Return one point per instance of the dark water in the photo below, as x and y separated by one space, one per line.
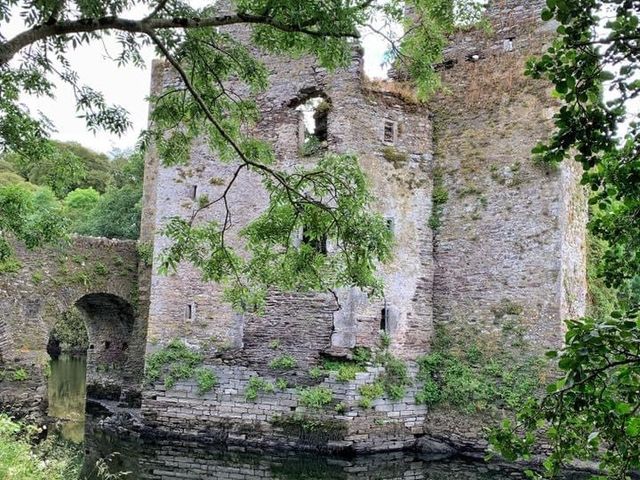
67 392
192 461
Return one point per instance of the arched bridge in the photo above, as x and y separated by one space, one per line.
98 276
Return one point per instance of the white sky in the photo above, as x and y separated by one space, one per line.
128 86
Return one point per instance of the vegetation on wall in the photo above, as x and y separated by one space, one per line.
439 197
175 362
467 378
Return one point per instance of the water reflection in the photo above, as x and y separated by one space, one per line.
169 460
66 393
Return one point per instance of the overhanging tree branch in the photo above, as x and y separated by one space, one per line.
11 47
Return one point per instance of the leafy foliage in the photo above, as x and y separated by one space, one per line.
172 363
283 362
206 380
71 332
21 460
201 103
316 397
359 235
257 385
32 217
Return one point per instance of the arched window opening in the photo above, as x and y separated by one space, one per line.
314 118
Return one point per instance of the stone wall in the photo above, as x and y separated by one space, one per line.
507 251
402 189
97 275
510 228
279 419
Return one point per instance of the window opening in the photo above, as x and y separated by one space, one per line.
194 192
391 224
384 319
507 44
389 132
318 244
125 346
107 344
315 116
189 311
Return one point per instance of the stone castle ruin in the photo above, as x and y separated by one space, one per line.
484 238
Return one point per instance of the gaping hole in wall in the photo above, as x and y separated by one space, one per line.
313 134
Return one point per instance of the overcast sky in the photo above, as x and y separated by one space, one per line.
127 86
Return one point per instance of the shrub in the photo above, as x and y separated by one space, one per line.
282 384
429 394
206 379
283 362
20 375
346 370
20 459
175 362
255 386
316 397
395 377
369 393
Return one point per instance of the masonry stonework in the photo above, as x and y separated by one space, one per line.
96 275
506 248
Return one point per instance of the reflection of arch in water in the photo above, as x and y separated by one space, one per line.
109 320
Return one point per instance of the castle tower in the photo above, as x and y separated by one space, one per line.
392 141
510 251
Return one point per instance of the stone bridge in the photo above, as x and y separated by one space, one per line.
98 276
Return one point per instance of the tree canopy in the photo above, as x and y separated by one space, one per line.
204 57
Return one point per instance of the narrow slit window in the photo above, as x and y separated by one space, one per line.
193 193
384 319
189 311
389 132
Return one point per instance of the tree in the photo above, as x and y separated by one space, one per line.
79 204
204 59
593 409
32 217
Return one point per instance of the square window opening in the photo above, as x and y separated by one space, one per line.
389 136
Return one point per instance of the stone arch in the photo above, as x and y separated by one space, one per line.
109 320
100 277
